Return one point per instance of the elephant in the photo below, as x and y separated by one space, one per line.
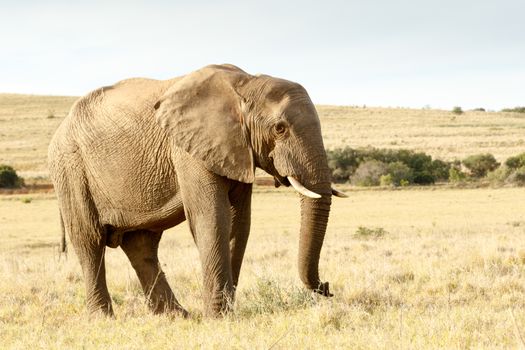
138 157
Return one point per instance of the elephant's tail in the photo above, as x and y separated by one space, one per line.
63 245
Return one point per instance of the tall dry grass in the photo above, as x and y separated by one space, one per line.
447 273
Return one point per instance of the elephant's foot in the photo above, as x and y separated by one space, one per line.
217 311
100 309
220 304
178 312
167 303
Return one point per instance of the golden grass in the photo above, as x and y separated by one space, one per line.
26 129
445 274
27 124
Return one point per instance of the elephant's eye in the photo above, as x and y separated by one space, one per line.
280 128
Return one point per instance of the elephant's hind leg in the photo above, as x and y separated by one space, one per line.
91 257
81 222
141 247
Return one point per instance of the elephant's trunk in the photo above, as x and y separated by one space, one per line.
314 218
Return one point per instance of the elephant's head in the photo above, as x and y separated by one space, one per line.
235 122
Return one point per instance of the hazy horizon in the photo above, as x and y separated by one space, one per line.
379 53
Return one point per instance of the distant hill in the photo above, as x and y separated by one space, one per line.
27 123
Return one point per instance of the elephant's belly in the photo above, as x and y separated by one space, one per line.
123 219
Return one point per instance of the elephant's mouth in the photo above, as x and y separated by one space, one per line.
281 180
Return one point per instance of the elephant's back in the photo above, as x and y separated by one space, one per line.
130 98
124 151
92 115
112 111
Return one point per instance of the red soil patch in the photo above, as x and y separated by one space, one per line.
48 188
37 188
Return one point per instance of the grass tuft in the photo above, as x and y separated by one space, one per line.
363 232
268 297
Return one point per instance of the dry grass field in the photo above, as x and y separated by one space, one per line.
27 124
448 272
445 268
441 134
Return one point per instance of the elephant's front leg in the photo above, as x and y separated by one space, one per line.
207 209
211 238
240 198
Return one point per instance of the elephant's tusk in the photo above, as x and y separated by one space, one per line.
338 193
301 189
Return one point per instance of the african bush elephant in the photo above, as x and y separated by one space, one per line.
134 159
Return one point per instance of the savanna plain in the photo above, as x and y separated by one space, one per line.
418 267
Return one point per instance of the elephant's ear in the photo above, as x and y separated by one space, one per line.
203 114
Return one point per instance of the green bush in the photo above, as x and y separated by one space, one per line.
369 173
480 164
345 161
388 167
457 110
440 169
515 109
456 175
517 177
404 183
419 162
386 180
398 172
9 177
516 161
499 176
340 175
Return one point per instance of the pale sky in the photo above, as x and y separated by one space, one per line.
380 53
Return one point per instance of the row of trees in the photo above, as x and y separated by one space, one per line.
459 110
388 167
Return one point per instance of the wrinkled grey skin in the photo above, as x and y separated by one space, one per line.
134 159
